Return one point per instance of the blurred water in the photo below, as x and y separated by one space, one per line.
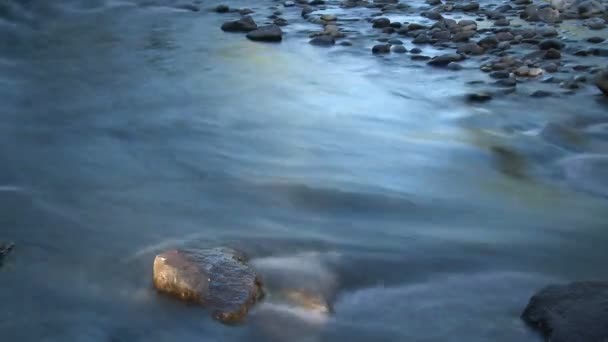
132 127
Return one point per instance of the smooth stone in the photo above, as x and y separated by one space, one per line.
398 49
596 40
222 9
432 15
421 39
551 44
548 15
573 312
541 94
245 24
500 75
415 51
328 17
419 58
470 7
446 59
502 22
553 54
269 33
504 36
504 46
453 66
217 278
381 23
470 49
462 37
381 49
488 42
478 97
551 67
323 40
395 41
506 83
280 22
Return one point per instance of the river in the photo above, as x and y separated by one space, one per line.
128 128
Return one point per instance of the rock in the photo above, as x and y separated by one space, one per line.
269 33
541 94
506 83
381 23
504 46
453 66
441 35
323 40
345 43
395 41
222 9
280 22
500 75
289 3
601 81
535 72
595 24
421 39
398 49
312 302
415 27
381 49
432 15
328 17
463 36
245 11
245 24
444 60
502 22
433 2
530 13
317 2
306 10
478 97
415 51
470 7
574 312
551 44
5 248
596 40
504 36
547 31
548 15
419 58
396 25
488 42
470 49
217 278
553 54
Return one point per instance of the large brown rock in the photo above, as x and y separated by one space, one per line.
217 278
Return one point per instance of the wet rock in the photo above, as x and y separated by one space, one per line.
453 66
551 68
444 60
381 49
601 81
551 44
269 33
5 248
553 54
547 31
530 13
548 15
470 49
323 40
317 2
504 46
502 22
415 51
245 11
222 8
395 41
463 36
500 75
396 25
488 42
432 15
541 94
419 58
506 83
416 27
470 7
280 22
328 17
398 49
574 312
345 43
433 2
381 23
504 36
596 40
306 11
441 35
595 24
421 39
217 278
245 24
478 97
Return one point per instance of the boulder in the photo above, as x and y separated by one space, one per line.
601 81
216 278
551 44
381 23
280 22
398 49
381 48
269 33
470 49
245 24
548 15
222 8
488 42
570 313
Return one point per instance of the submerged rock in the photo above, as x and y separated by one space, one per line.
5 248
577 312
323 41
446 59
269 33
217 278
381 49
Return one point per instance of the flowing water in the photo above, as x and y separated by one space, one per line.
130 127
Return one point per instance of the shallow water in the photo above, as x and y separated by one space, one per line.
128 129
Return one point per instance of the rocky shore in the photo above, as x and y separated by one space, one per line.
562 43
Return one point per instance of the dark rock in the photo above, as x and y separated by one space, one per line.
504 8
478 97
395 41
217 278
553 54
432 15
419 58
269 33
568 313
421 39
547 31
463 36
396 25
317 2
345 43
504 46
500 74
595 24
470 49
601 81
504 36
488 42
596 40
189 7
222 9
502 22
551 44
399 49
245 24
381 23
388 30
415 27
441 35
548 15
415 51
444 60
5 248
323 40
470 7
280 22
506 83
433 2
541 94
381 49
551 67
454 66
245 11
